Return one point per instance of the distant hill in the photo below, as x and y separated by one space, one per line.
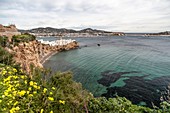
89 30
62 30
49 31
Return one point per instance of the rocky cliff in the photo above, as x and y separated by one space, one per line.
35 53
8 31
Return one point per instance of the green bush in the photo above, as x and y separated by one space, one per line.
22 93
5 57
117 105
22 38
3 41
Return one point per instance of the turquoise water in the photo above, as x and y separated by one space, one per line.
137 68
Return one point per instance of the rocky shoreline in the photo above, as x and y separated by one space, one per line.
35 53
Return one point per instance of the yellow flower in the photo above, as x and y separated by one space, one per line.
4 109
62 101
22 77
14 93
15 103
53 88
28 92
51 93
51 111
30 95
35 92
0 101
29 88
17 108
3 96
22 93
25 82
45 90
17 85
14 70
38 87
42 110
35 83
35 86
31 83
6 93
51 98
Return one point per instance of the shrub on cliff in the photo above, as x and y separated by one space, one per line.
117 105
6 57
3 41
22 38
21 93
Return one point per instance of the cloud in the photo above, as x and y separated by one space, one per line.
114 15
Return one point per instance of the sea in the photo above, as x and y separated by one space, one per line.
135 67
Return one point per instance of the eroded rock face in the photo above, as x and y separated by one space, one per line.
34 53
8 31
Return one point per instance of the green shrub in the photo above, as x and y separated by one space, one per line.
22 93
22 38
5 57
3 41
117 105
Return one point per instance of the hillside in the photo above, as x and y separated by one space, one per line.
49 31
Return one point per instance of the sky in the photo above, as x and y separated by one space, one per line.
111 15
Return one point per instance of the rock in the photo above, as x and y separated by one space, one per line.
34 53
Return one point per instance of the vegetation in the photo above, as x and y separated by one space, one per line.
43 92
3 41
22 38
5 57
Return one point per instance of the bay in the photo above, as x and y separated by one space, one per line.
137 68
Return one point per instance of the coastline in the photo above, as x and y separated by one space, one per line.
46 57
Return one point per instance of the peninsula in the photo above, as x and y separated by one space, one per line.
29 51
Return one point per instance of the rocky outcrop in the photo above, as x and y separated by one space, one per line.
35 53
8 31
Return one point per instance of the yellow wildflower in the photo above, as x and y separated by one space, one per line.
53 88
22 77
51 93
14 93
3 96
42 110
17 108
6 93
17 85
29 88
22 93
51 98
25 82
38 87
31 83
62 101
35 83
51 111
35 92
45 90
15 103
28 92
14 70
30 95
0 101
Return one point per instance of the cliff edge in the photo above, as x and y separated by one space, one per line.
35 53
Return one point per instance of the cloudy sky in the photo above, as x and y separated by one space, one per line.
113 15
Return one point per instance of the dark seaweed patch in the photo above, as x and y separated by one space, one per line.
136 88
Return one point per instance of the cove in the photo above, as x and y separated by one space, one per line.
137 68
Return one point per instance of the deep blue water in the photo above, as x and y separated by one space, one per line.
137 68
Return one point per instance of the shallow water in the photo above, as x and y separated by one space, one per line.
137 68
